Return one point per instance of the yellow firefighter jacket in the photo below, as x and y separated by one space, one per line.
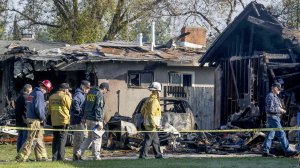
151 112
59 108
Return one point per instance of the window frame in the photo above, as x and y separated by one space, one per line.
192 73
139 72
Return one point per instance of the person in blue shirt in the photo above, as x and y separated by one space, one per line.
274 110
35 113
76 115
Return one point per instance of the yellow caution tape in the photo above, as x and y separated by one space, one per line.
182 131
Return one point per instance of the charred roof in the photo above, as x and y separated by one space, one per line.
255 29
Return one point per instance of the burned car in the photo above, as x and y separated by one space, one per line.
177 116
175 112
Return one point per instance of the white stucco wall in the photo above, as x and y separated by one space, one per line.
116 75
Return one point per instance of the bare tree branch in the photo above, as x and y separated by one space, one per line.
62 8
35 22
242 3
232 7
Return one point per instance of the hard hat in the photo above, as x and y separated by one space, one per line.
47 84
155 86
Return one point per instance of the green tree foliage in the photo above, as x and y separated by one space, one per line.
288 12
81 21
16 30
291 13
3 4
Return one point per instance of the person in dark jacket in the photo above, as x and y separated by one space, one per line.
35 113
76 115
20 112
93 118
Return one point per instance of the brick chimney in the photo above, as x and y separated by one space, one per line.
197 38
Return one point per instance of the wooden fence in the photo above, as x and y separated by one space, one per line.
201 100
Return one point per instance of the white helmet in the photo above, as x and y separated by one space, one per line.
155 86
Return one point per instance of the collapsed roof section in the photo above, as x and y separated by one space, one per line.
76 57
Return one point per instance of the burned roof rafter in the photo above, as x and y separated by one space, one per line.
275 27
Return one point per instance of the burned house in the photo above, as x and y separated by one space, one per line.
251 53
128 67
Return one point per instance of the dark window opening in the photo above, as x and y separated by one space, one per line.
180 79
187 80
140 79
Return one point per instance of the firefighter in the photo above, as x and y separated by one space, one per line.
93 118
35 112
59 110
151 112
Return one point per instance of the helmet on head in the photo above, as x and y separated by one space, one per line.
47 84
155 86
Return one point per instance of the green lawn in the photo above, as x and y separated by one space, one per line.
7 153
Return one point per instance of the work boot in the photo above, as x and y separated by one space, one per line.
142 157
43 159
19 159
97 158
268 155
75 157
291 153
78 156
158 157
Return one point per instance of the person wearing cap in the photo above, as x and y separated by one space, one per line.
35 113
59 110
76 113
93 118
274 110
151 112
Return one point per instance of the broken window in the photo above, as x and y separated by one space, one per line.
140 78
181 78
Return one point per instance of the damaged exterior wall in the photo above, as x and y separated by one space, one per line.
124 99
250 54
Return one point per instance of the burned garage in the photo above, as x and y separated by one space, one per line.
251 53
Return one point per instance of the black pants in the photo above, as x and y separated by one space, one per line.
58 144
151 138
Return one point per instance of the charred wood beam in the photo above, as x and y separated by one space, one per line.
265 24
236 58
293 88
292 55
283 65
288 75
277 56
255 9
251 40
234 80
241 43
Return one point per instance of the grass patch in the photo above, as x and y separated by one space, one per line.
8 152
